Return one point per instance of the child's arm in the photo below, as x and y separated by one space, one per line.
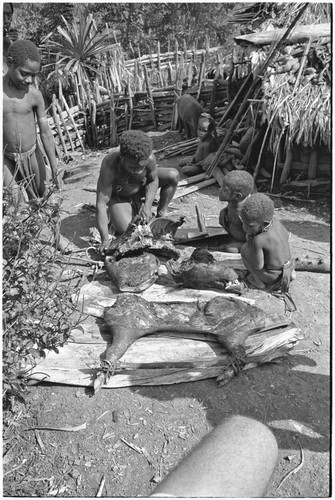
46 136
223 218
257 251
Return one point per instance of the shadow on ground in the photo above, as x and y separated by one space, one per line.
274 392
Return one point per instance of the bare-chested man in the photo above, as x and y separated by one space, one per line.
128 182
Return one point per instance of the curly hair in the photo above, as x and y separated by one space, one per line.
241 181
22 51
257 208
136 144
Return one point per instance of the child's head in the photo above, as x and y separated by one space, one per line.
24 61
206 126
135 148
22 51
236 186
256 213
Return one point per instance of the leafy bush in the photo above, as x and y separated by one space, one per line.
38 314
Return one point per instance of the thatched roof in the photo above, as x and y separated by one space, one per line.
297 96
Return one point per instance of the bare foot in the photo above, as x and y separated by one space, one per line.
255 282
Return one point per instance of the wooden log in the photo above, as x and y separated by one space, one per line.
192 180
313 164
300 34
309 183
193 188
318 265
287 165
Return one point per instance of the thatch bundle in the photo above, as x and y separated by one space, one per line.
299 108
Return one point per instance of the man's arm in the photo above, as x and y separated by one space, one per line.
150 188
104 193
46 136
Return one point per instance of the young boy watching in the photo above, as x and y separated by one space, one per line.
24 168
237 186
22 104
208 144
266 254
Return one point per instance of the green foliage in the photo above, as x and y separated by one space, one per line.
38 314
79 46
35 20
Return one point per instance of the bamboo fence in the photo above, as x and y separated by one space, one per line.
138 93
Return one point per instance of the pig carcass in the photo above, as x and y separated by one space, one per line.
132 317
202 271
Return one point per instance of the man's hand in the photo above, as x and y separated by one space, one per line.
145 213
103 247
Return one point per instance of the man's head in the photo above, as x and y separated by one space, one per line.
24 61
7 16
256 213
236 186
135 148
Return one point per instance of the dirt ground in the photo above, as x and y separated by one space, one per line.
292 396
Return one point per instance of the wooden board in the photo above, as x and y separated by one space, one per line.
181 233
172 359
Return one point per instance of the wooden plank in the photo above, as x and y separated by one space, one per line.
191 189
172 360
298 35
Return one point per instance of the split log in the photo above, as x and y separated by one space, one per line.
192 189
319 265
300 34
192 180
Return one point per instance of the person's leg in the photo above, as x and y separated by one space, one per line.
236 459
8 180
233 246
190 170
120 214
168 182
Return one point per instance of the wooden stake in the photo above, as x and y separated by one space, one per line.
287 165
56 120
151 100
59 109
74 125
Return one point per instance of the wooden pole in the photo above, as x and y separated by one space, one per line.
112 123
74 125
151 100
59 109
287 165
56 121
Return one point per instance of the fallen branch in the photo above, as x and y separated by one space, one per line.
66 428
101 487
295 470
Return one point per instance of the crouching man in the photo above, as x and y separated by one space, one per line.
127 185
